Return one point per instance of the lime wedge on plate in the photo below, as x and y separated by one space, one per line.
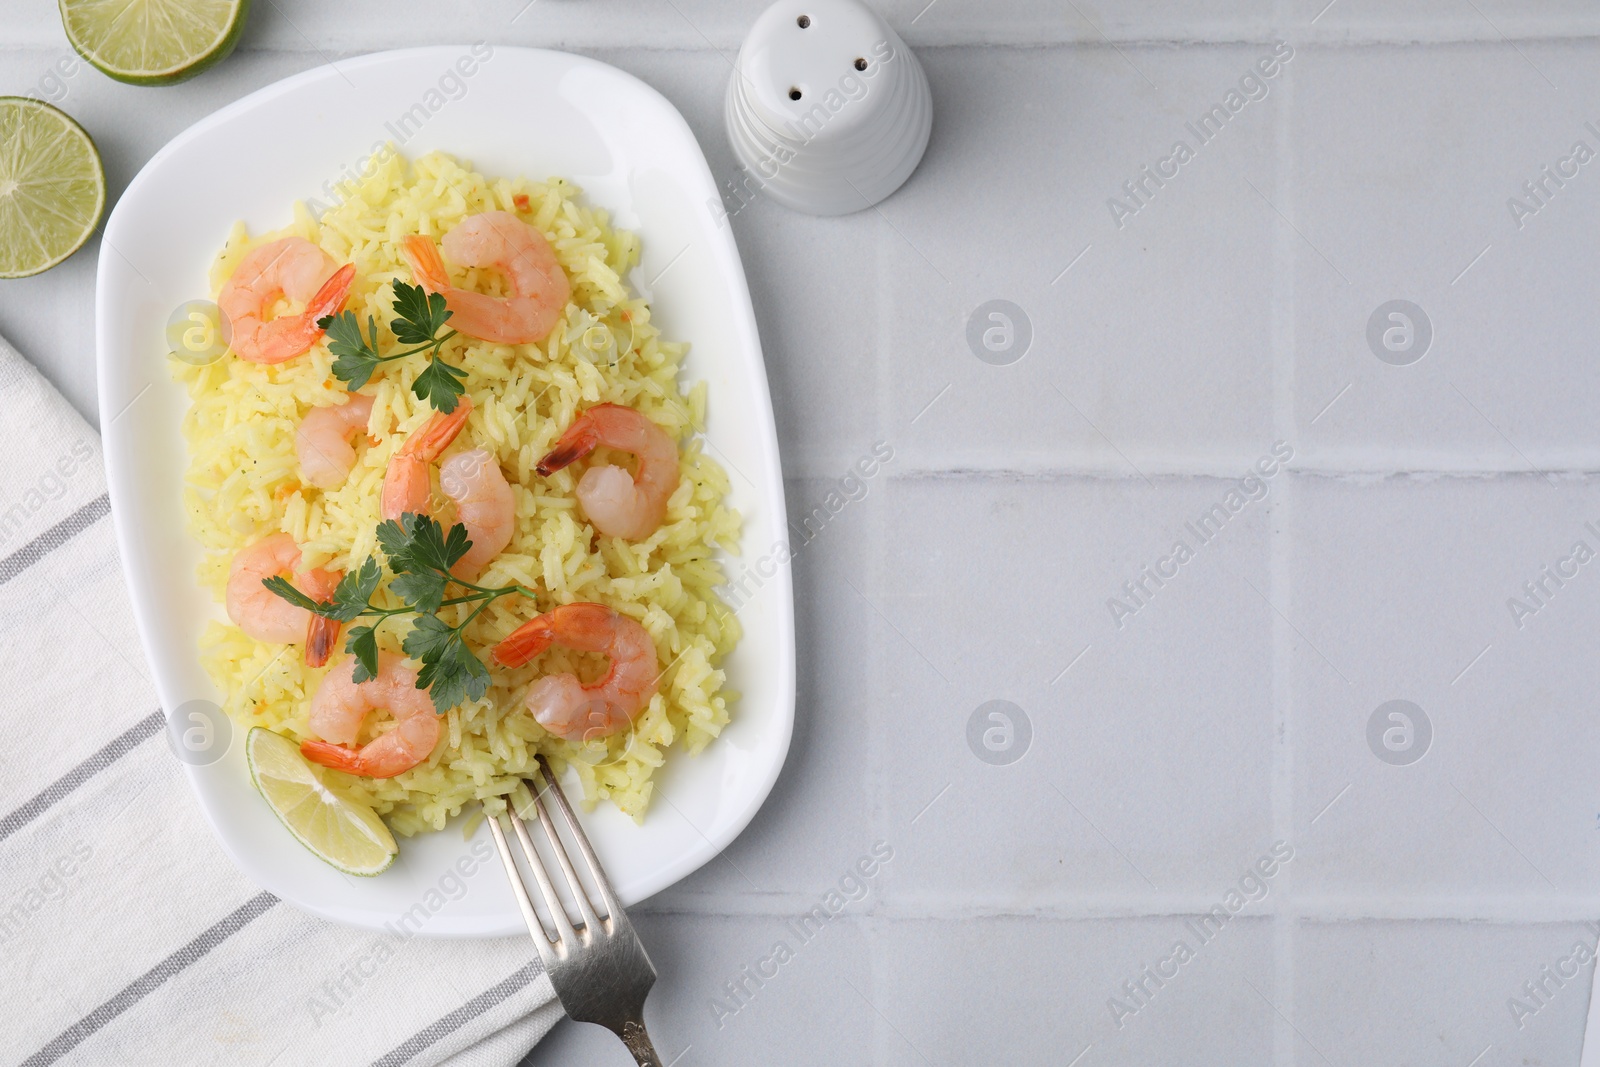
52 187
153 42
341 831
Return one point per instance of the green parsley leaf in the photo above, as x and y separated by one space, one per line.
420 553
395 540
421 314
354 592
422 591
440 385
427 638
356 356
420 317
429 547
456 546
362 643
280 585
450 671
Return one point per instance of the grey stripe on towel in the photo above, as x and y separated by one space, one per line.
449 1024
114 750
54 538
137 990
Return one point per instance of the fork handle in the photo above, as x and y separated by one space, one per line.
638 1041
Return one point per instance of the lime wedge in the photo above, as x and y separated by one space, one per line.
153 42
52 187
341 831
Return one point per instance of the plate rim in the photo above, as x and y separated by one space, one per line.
121 467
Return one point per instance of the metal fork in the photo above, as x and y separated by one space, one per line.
599 969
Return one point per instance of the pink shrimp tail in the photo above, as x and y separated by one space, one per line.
405 484
321 637
355 760
321 634
336 756
579 440
437 433
582 625
331 296
426 266
526 642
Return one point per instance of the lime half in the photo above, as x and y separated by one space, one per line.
52 187
153 42
341 831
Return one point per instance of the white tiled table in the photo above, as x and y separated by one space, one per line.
1168 356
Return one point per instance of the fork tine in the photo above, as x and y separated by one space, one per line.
541 940
584 911
607 897
566 936
592 925
603 975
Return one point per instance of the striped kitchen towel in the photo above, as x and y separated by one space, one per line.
126 936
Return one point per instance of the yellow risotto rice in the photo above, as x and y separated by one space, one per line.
243 484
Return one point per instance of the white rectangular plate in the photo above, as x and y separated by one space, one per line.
519 111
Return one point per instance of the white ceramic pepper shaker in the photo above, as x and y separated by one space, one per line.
828 110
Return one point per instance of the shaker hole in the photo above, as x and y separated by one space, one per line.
804 21
794 94
861 64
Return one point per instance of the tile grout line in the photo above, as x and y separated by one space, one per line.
1278 546
1227 469
1021 39
882 1040
1320 909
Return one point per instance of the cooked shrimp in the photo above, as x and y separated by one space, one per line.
340 703
264 615
539 287
620 505
407 483
562 704
292 267
484 505
323 440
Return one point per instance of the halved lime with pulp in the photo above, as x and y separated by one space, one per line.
339 830
52 187
153 42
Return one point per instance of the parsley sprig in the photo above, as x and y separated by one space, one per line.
420 553
420 316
